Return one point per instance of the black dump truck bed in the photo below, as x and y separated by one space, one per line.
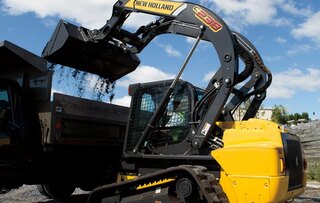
64 141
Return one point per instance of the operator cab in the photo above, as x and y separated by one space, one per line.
168 144
170 134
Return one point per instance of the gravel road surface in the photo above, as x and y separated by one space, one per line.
312 193
30 194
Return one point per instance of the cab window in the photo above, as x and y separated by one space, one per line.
4 94
4 115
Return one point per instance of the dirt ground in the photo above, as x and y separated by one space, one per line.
30 194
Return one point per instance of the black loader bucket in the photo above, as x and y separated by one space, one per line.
69 48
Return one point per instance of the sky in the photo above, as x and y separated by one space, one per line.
285 32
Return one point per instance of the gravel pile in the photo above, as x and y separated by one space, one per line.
26 193
305 128
30 194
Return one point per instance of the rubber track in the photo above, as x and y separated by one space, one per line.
209 189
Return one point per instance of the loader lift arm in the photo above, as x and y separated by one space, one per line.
181 18
177 18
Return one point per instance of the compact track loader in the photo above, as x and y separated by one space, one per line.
182 142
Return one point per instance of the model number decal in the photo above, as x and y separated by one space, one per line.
208 20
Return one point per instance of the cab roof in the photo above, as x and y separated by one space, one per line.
15 58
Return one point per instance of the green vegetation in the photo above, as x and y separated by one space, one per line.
313 172
281 115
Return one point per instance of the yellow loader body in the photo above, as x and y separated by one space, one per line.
253 165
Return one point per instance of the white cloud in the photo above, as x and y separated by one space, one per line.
273 58
207 77
124 101
88 13
190 40
309 29
247 12
144 74
168 48
281 22
240 13
203 44
286 84
291 8
275 91
299 49
136 20
49 23
280 40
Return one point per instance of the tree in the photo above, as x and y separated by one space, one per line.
279 114
243 108
305 115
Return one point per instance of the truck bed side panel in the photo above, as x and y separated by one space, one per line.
78 121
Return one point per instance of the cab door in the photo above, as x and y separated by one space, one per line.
11 142
5 115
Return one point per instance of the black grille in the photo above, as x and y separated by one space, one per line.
294 160
173 126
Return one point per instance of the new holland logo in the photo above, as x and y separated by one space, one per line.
157 6
161 6
208 20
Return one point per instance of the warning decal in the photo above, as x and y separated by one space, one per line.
205 129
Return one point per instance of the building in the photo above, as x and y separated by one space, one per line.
264 113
